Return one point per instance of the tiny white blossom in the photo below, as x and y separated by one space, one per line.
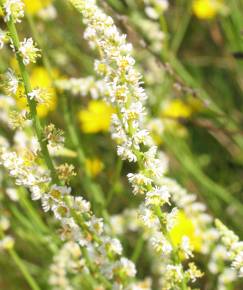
13 9
96 225
12 82
12 194
186 247
81 205
40 95
160 244
158 196
29 51
3 38
111 246
6 243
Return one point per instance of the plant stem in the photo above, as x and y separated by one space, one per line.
114 181
36 121
175 252
95 193
23 269
138 248
31 102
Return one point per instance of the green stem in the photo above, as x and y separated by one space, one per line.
23 269
175 251
92 189
24 201
32 103
184 22
94 272
157 210
138 249
43 144
114 181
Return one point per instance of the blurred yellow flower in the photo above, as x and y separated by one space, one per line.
185 227
207 9
39 78
96 118
94 166
34 6
177 109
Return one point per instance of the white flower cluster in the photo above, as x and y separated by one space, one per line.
40 95
29 51
12 82
156 39
127 95
48 13
6 241
196 211
233 245
6 103
135 145
79 224
154 8
14 10
67 260
3 38
82 86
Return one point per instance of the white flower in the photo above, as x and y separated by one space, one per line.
139 179
12 82
139 182
7 243
14 9
3 38
233 245
112 246
155 8
60 210
29 51
36 192
57 192
160 244
40 95
142 137
151 12
96 225
81 205
126 153
127 267
12 194
186 247
4 224
48 13
238 263
175 271
157 197
148 217
171 218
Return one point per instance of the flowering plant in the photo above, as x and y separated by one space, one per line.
91 231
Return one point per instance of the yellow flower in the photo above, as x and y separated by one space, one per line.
96 118
94 166
207 9
177 109
185 227
34 6
39 78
